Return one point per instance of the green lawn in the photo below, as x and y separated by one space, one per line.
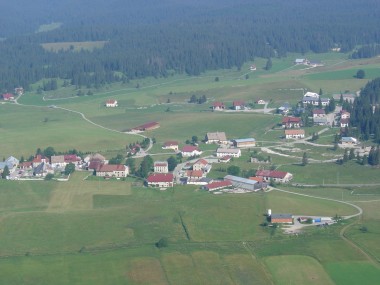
347 273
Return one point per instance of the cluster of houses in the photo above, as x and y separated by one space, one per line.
237 105
41 166
195 172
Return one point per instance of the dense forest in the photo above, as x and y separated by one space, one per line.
157 38
366 112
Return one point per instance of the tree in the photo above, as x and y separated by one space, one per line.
49 151
193 99
360 74
163 242
365 160
268 65
116 160
172 163
146 166
351 154
69 168
49 176
216 79
194 139
304 159
131 164
5 172
247 76
345 156
320 92
233 170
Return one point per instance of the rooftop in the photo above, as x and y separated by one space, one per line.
160 177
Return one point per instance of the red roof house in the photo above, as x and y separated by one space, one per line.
146 127
277 176
217 185
190 150
218 106
238 105
8 96
291 122
112 170
160 180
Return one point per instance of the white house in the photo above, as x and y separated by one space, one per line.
161 167
294 134
189 150
160 180
170 145
276 176
113 170
233 152
111 103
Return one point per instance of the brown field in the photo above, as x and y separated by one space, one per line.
74 46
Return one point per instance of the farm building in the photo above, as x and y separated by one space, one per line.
244 183
160 180
315 101
294 134
277 176
281 218
170 145
113 170
218 106
146 127
189 150
291 122
304 61
249 142
346 97
311 95
161 167
217 185
218 138
233 152
111 103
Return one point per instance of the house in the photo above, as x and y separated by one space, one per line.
161 167
218 138
232 152
170 145
203 165
348 141
260 102
111 103
242 143
291 122
38 159
95 156
281 218
146 127
252 67
95 165
294 134
346 97
225 159
284 109
25 165
160 180
344 114
243 183
238 105
113 170
8 97
315 63
320 121
195 174
311 95
189 150
276 176
72 158
318 113
217 185
57 161
344 123
218 106
299 61
315 101
11 162
19 90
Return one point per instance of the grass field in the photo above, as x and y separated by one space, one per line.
347 273
297 270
